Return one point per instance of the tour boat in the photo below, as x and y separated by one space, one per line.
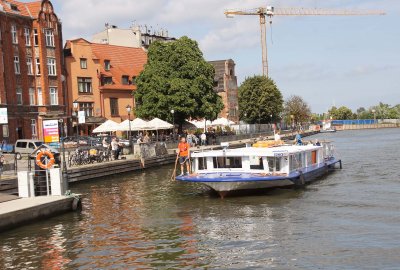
261 166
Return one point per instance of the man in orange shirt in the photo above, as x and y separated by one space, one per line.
183 148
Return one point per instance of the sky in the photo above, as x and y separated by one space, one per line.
351 61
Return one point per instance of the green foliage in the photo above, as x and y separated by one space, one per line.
259 98
297 110
385 111
380 111
342 113
176 77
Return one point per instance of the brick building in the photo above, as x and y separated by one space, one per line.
225 84
101 79
31 86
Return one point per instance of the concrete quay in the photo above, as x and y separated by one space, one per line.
17 211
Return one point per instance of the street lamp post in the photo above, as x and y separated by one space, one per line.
374 112
75 104
271 122
173 123
245 116
292 118
129 109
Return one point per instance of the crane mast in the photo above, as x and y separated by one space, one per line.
270 11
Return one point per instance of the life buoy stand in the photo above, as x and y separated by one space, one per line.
50 162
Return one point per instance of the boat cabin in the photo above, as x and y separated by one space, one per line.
281 160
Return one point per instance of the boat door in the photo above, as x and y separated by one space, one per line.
314 157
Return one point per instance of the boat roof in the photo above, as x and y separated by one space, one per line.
257 151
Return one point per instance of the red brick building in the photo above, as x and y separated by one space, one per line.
225 84
31 68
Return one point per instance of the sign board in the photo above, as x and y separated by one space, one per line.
3 116
81 117
50 131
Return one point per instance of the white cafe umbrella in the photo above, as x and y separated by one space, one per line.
158 124
107 126
136 124
222 122
200 124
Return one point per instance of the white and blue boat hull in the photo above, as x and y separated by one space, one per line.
225 182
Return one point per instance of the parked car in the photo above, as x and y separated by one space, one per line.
27 146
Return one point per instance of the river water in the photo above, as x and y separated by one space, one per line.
348 220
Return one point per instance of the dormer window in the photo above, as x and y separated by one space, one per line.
125 80
106 81
107 65
134 80
14 7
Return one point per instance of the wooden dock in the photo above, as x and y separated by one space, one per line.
20 211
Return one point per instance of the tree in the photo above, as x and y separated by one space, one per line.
176 77
297 110
342 113
260 100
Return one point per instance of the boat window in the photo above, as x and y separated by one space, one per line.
256 163
202 161
294 163
308 158
227 162
274 163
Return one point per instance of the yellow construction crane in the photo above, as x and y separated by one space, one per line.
270 11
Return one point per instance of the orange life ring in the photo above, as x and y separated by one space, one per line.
49 164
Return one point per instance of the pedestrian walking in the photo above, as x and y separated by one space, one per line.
203 138
2 162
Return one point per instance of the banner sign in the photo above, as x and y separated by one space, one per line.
50 131
81 117
3 116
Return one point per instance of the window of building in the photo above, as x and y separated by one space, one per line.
125 80
114 106
27 34
134 80
53 96
106 80
40 96
83 63
29 65
33 127
32 100
14 34
35 37
19 96
87 107
51 66
49 37
84 85
107 64
17 67
37 63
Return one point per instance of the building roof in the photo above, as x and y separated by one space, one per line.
124 61
30 9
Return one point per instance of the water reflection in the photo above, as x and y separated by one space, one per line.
146 221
